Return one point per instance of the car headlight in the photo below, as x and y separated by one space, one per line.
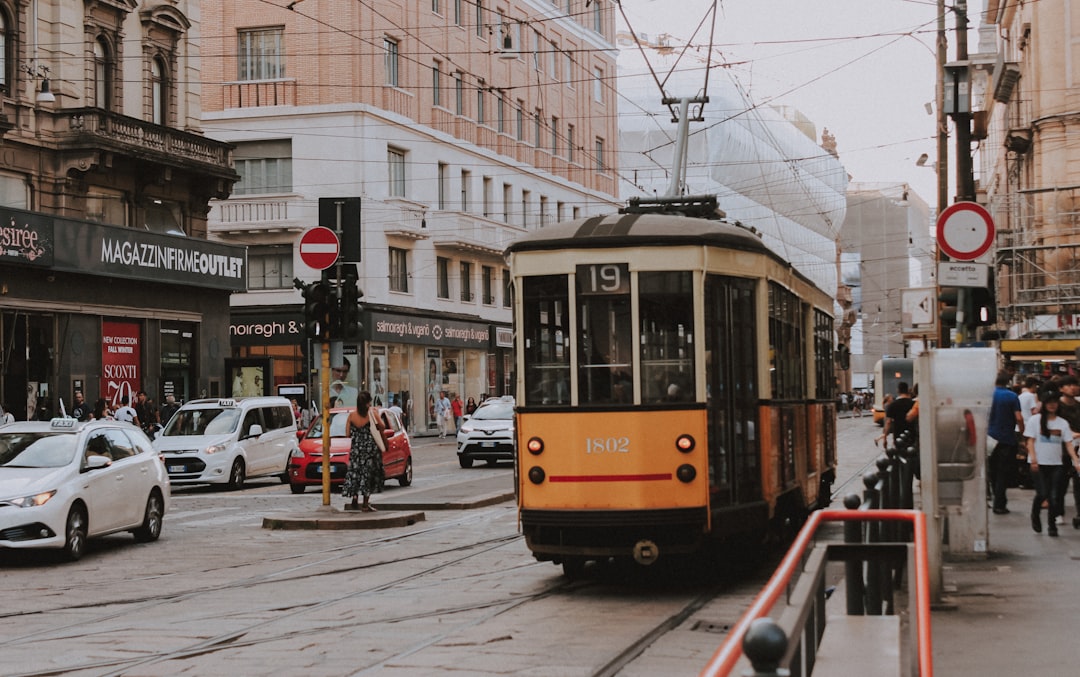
296 453
466 428
33 501
215 448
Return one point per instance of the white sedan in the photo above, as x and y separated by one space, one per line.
63 481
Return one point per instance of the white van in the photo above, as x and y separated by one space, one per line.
225 441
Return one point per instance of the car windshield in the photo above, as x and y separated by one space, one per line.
337 425
498 410
210 421
36 450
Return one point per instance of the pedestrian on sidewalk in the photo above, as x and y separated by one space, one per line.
1005 420
444 414
1069 409
1047 434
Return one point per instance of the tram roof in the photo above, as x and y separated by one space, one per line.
633 230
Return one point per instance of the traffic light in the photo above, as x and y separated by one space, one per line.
350 325
948 298
317 310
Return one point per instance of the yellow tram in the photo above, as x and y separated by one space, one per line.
675 385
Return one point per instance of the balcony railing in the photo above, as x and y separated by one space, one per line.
104 128
257 93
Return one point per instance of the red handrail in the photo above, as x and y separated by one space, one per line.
723 661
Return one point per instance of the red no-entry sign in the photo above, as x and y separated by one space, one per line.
965 231
319 247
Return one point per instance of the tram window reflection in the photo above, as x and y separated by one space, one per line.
666 311
546 329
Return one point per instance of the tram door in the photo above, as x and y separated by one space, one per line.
731 373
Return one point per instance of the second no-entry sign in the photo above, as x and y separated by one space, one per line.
965 231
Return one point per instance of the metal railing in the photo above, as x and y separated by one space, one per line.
883 538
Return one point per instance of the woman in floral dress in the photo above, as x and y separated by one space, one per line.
365 474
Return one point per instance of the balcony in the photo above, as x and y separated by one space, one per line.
472 235
96 129
239 215
258 93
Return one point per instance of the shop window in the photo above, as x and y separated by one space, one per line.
263 166
260 54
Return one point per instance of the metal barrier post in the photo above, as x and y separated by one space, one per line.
872 501
764 644
853 571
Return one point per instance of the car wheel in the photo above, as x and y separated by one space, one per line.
75 534
405 478
464 461
236 475
152 518
297 488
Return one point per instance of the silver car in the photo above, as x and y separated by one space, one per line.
487 434
64 481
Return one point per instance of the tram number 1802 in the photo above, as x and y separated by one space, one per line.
607 445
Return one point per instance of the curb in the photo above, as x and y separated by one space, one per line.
343 522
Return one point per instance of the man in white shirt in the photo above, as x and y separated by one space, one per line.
126 412
1029 398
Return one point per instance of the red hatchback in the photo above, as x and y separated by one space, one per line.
305 465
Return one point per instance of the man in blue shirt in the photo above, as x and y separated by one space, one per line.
1004 418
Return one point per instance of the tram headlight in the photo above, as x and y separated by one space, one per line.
535 445
686 473
685 443
537 475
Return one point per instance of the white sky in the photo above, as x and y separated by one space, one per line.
864 69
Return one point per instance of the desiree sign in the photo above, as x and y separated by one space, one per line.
45 241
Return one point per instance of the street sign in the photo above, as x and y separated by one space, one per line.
918 311
963 274
318 248
965 231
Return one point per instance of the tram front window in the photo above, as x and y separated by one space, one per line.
666 308
605 360
546 332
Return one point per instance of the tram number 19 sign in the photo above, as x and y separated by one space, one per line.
965 231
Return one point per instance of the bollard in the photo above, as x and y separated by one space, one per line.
765 644
853 571
873 572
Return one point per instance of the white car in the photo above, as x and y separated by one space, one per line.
63 481
226 441
487 434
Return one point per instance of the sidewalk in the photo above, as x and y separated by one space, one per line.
1013 613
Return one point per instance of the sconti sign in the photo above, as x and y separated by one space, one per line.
429 331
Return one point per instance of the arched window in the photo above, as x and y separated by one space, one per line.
159 93
102 75
5 61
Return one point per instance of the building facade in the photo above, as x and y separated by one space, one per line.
1026 79
885 248
107 282
455 127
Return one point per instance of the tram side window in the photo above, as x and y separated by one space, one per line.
786 344
605 361
825 388
545 303
666 309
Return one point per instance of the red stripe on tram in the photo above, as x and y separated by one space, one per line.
610 478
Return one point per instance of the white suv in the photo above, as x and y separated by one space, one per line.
228 440
488 434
